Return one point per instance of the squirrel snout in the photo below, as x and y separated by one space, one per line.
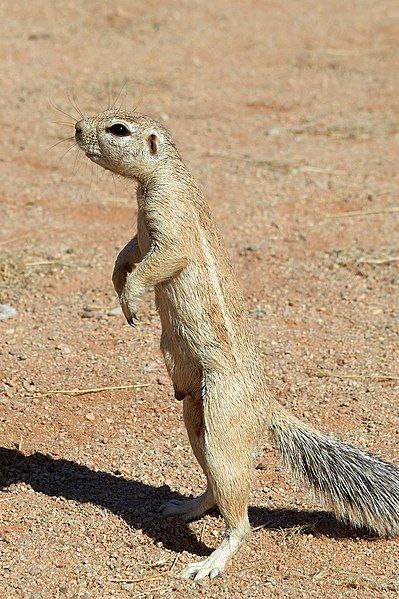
78 128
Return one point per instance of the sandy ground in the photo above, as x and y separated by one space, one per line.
285 112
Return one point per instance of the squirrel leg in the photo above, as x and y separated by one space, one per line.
190 509
228 463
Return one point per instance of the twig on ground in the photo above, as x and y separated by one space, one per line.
131 580
363 212
94 389
373 376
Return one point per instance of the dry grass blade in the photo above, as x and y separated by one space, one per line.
315 169
363 582
174 562
378 260
116 200
264 525
12 268
13 239
356 377
272 165
148 591
276 492
44 263
203 531
319 575
346 52
354 213
94 389
13 498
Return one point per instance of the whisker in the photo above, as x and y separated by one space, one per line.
108 96
119 95
78 154
64 123
74 162
91 178
122 101
63 112
60 142
73 105
115 188
140 98
97 171
74 145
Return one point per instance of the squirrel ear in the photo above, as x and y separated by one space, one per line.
152 141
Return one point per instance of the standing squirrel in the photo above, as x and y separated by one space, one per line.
210 352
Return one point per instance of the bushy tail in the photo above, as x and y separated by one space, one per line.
357 486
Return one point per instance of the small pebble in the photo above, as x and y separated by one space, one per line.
274 131
7 311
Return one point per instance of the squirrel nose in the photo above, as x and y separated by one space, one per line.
78 128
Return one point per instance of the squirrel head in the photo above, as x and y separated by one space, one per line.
129 144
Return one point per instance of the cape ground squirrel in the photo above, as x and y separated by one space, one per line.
209 349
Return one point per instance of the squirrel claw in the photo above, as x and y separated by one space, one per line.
132 320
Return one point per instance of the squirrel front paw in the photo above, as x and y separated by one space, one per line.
128 304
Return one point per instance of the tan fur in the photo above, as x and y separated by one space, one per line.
206 339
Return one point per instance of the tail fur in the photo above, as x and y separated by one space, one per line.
359 487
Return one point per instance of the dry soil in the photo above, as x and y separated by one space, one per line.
286 112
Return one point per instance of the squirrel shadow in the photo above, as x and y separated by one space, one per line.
137 502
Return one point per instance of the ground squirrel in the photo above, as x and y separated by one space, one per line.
209 349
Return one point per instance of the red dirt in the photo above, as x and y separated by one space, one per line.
286 112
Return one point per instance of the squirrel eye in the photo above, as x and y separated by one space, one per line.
119 130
